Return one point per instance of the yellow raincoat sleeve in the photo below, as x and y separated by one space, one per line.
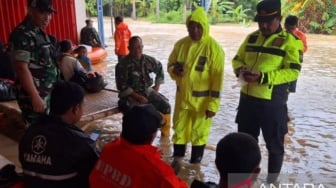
292 64
172 61
217 78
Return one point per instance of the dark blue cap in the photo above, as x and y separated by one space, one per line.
42 5
267 10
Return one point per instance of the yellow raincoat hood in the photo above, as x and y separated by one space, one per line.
200 16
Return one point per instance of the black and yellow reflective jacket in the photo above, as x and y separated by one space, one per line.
278 57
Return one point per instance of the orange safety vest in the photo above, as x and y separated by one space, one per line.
121 38
123 164
302 37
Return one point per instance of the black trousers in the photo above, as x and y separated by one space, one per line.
271 118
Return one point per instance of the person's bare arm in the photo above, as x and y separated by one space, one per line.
26 81
141 99
156 87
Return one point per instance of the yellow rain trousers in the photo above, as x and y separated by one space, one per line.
191 126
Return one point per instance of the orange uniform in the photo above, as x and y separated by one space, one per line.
121 38
123 164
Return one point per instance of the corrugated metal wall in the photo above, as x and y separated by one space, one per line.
63 23
11 13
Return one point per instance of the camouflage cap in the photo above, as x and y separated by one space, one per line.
42 5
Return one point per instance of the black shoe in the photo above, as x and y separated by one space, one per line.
197 154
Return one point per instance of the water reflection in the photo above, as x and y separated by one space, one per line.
310 143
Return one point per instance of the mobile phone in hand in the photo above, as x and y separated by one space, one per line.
95 134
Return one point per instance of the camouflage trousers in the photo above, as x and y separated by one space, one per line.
28 114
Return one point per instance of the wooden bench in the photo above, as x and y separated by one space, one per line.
96 106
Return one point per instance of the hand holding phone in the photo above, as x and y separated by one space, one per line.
251 76
178 69
95 134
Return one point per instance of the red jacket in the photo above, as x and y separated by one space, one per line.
121 37
123 164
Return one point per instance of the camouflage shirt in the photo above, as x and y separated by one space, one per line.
89 36
33 46
138 75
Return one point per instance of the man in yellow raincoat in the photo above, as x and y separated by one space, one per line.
196 64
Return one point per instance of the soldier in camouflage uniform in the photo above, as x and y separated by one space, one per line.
33 56
89 35
134 81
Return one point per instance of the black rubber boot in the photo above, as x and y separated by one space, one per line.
197 154
179 150
274 167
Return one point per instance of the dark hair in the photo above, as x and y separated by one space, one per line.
140 123
134 38
87 21
65 95
237 153
291 20
65 45
118 19
79 48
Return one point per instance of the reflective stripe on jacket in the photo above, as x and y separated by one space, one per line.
278 58
50 177
56 154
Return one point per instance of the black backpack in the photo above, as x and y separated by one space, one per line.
7 91
92 84
79 78
95 84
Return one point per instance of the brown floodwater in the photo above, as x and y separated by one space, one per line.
310 144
